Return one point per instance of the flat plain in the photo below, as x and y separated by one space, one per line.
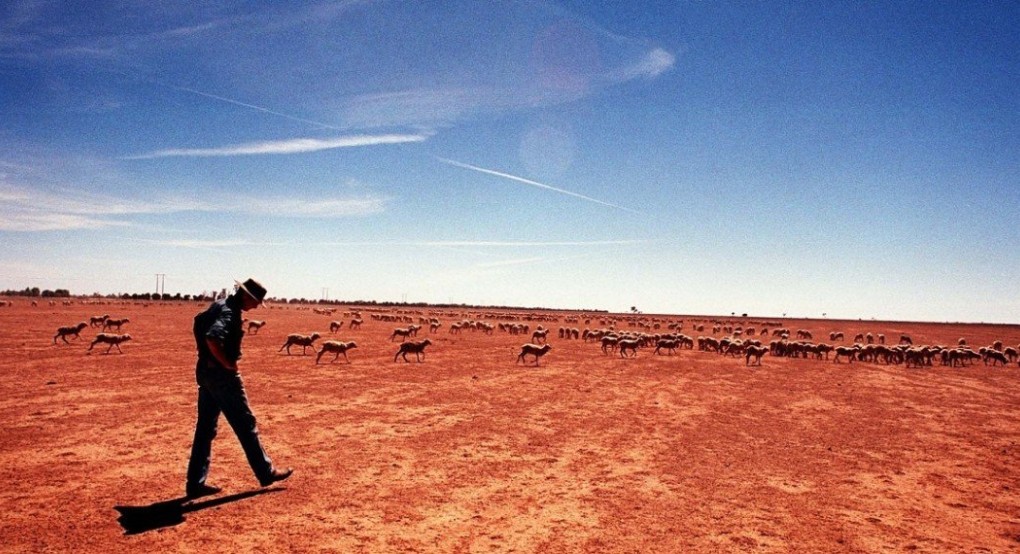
470 451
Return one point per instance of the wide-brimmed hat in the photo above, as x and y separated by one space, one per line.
253 288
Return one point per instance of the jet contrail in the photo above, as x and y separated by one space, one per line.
532 183
254 107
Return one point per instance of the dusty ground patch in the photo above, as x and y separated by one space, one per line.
469 452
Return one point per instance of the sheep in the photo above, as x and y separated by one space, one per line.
304 341
669 345
62 332
337 347
1011 353
402 333
533 349
434 326
413 330
417 347
540 335
848 351
628 344
756 352
914 357
355 324
112 340
871 338
111 323
961 342
996 357
905 339
609 343
997 345
881 338
335 326
803 334
836 335
254 326
98 321
859 337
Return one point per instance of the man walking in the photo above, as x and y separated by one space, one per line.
218 336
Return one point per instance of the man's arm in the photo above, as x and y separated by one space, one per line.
216 349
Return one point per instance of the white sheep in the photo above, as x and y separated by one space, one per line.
534 350
63 332
111 323
335 326
669 344
112 340
540 335
628 344
337 347
418 348
254 326
98 321
756 352
404 334
304 341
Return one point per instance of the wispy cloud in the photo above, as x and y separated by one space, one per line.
25 209
533 183
656 62
290 146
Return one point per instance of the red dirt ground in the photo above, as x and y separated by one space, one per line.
469 452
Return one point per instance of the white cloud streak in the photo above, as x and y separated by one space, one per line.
291 146
415 244
25 210
533 183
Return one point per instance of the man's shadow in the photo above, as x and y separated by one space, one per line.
139 519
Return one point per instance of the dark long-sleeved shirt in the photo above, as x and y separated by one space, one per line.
222 323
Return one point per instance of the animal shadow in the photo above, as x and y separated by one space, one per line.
140 519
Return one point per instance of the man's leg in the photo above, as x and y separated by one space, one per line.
234 403
205 432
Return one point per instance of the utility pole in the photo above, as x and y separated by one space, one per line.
160 284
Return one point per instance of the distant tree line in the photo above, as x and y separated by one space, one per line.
34 292
208 297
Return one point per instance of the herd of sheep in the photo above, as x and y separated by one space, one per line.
738 341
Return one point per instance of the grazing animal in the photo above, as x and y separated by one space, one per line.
111 323
609 343
905 339
304 341
859 337
337 347
669 345
355 324
756 352
628 344
98 321
335 326
254 326
849 352
540 335
996 357
112 340
63 332
836 335
417 347
534 350
402 333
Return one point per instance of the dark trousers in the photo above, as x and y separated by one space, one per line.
221 391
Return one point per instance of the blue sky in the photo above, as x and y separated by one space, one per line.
857 160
